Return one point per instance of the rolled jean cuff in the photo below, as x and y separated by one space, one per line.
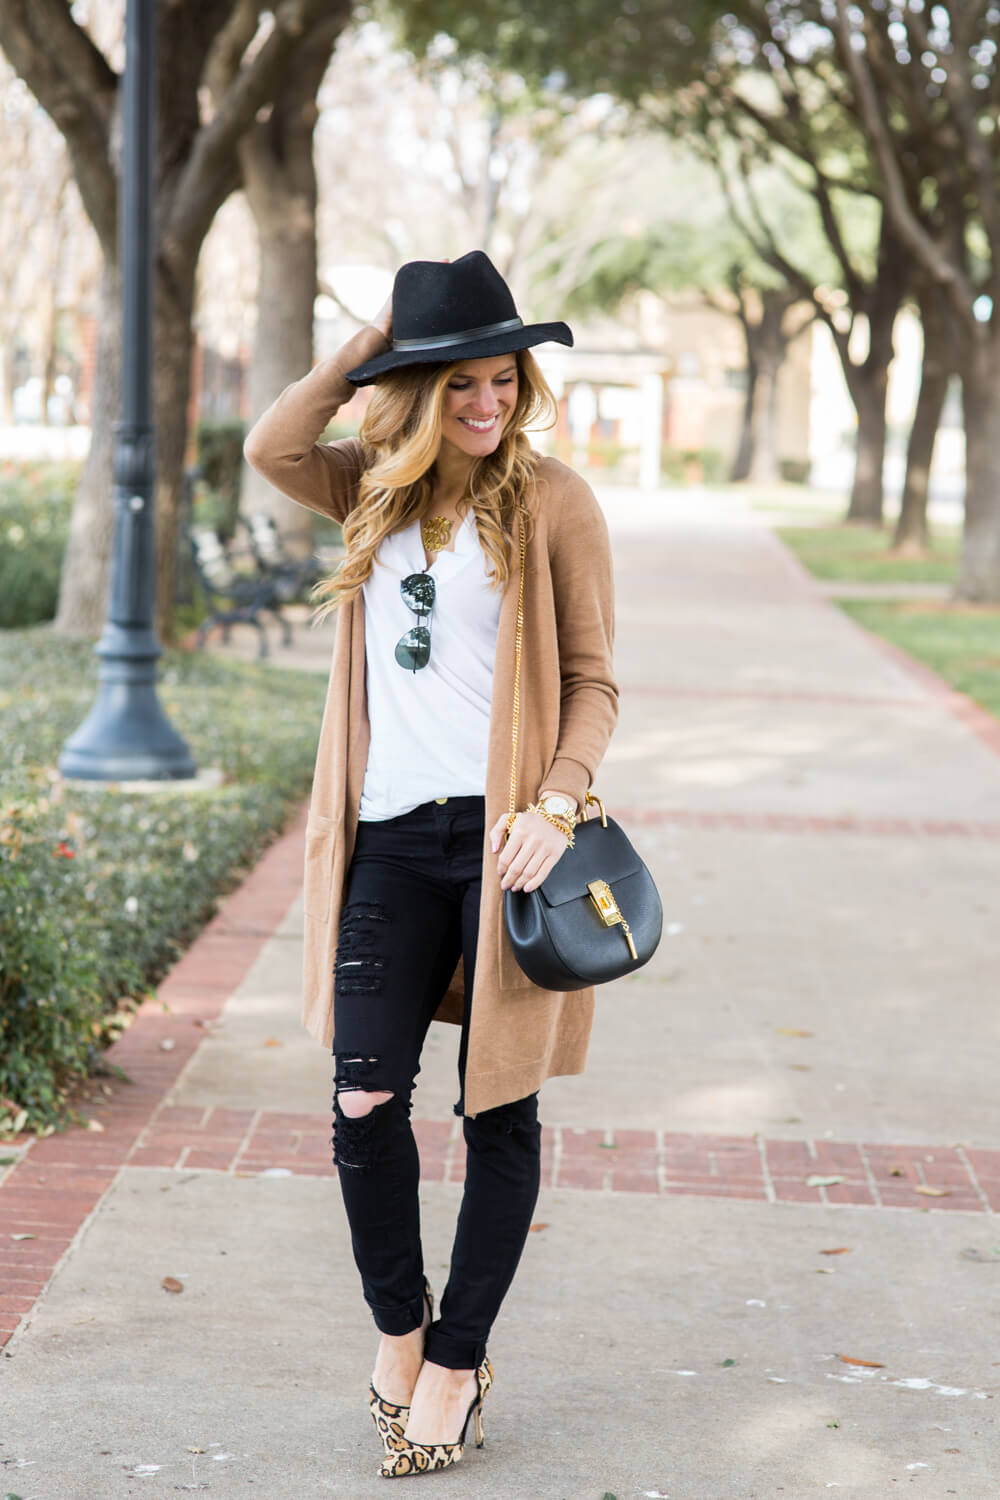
399 1320
453 1354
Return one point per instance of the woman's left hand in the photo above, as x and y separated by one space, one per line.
531 852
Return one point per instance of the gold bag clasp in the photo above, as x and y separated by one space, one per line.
607 909
603 898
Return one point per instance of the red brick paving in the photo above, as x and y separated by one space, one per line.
46 1198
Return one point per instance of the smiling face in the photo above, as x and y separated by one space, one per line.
478 401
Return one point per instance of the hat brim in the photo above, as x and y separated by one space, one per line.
483 348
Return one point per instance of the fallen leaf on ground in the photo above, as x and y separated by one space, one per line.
837 1250
897 1171
972 1253
800 1067
726 1363
608 1146
196 1450
171 1284
272 1041
535 1228
24 1236
823 1181
833 1424
168 1044
869 1364
794 1031
94 1125
931 1192
825 1271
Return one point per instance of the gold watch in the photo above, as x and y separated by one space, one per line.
560 807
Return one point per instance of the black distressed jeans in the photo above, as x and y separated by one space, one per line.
412 908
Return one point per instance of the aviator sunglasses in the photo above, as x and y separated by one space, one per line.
413 650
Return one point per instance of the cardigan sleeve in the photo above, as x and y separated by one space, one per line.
583 591
283 444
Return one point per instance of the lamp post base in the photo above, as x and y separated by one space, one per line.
126 736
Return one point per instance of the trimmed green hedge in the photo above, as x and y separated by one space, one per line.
35 501
101 889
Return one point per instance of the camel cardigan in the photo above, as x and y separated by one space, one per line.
519 1035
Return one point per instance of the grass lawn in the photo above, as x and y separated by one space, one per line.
858 554
960 643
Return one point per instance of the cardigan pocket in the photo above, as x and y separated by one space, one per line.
317 890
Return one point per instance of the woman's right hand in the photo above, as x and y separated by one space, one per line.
383 319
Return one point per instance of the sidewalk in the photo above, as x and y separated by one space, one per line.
697 1317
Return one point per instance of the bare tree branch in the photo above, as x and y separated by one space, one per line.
223 61
209 164
77 88
908 226
957 89
821 190
325 289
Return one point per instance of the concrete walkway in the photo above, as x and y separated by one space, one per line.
766 1258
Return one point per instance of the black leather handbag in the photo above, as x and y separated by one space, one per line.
597 916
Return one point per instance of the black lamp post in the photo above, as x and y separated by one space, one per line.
126 736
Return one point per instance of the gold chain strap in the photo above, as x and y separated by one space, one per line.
518 640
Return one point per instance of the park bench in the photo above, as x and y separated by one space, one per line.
233 597
293 577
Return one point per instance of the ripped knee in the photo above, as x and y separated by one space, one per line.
354 1107
356 1103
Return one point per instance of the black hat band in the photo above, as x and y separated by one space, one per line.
449 340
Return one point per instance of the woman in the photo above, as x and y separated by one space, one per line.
408 844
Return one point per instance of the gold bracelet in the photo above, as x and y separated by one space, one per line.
563 824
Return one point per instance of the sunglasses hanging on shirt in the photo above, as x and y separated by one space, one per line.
413 650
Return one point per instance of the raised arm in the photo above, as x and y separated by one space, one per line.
283 444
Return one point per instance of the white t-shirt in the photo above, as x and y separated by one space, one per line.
429 729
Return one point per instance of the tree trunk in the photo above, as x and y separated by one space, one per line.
867 493
173 345
868 382
83 583
279 175
283 347
84 580
938 364
765 467
761 312
743 460
979 571
912 534
7 384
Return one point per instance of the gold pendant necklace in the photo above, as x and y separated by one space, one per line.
435 532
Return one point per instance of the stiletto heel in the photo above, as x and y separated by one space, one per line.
388 1416
425 1458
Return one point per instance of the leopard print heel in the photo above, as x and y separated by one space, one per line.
426 1458
390 1418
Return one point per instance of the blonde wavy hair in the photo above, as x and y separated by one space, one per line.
401 435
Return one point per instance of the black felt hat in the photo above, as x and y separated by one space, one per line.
449 310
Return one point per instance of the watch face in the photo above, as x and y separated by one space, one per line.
558 806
